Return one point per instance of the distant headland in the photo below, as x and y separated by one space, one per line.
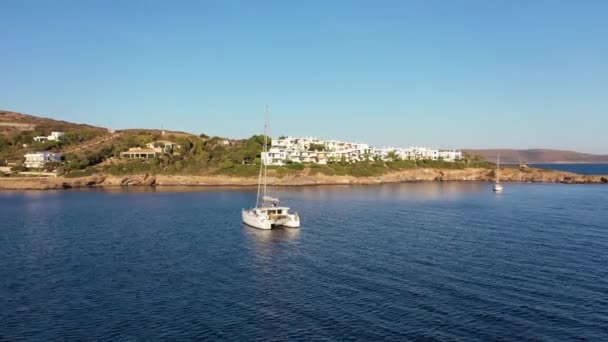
539 156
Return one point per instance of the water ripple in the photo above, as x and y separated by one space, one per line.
400 262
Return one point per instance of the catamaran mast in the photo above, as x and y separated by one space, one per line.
498 168
263 169
266 132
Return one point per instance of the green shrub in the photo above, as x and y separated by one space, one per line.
237 170
80 173
132 166
401 164
296 166
316 147
19 168
440 164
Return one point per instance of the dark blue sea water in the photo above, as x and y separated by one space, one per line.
584 169
428 261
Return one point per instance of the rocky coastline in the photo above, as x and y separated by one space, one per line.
301 179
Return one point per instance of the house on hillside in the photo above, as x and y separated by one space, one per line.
164 146
152 149
38 160
139 153
54 136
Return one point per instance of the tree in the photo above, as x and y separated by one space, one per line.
51 166
18 168
316 147
4 144
392 156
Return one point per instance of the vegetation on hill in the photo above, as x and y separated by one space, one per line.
88 149
14 145
197 155
17 132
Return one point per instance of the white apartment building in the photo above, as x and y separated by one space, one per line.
313 150
451 155
37 160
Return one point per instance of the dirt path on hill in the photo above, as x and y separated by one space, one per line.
87 145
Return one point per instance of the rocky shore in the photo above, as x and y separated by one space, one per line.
301 179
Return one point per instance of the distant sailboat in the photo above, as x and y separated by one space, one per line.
497 186
268 215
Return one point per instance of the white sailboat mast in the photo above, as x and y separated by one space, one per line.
266 132
498 168
263 170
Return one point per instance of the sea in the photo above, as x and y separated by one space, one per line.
583 169
422 261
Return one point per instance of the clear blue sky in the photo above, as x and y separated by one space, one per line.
466 74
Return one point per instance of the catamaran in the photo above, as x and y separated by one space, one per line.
497 186
267 213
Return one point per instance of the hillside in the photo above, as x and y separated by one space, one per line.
538 156
82 145
12 122
89 150
17 132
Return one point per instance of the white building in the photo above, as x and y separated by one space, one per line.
39 159
55 136
139 153
422 153
451 155
163 146
313 150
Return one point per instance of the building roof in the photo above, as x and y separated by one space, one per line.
139 150
163 141
42 153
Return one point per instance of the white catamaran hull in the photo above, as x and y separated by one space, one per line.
256 221
260 220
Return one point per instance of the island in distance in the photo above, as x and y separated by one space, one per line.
539 156
43 153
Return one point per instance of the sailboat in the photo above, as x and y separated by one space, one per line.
267 213
497 186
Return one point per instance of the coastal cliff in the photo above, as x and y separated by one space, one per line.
301 179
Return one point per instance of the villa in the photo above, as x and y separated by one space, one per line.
38 160
139 153
163 146
151 150
55 136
